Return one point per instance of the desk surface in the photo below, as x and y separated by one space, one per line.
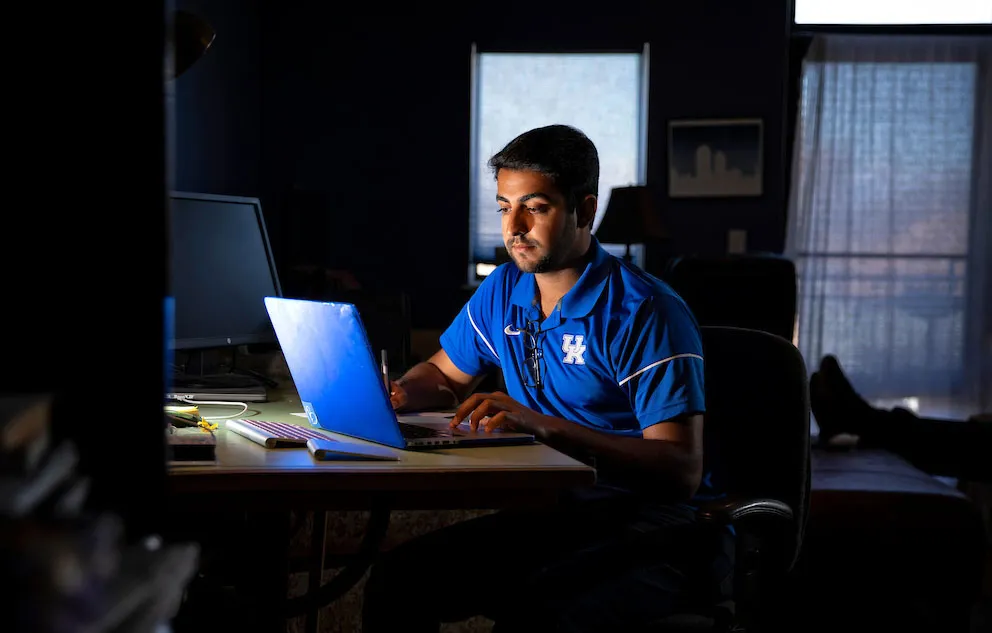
246 468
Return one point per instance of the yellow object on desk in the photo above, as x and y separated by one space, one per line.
182 408
184 416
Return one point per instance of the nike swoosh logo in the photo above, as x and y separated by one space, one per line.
511 331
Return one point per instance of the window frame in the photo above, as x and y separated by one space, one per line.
477 49
904 29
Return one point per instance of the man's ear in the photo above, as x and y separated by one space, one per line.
586 211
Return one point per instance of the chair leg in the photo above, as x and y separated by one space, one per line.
316 568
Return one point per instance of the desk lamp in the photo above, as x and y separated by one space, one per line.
191 37
631 219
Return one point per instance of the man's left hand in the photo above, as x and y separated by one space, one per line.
491 411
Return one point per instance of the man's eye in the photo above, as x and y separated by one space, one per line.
502 210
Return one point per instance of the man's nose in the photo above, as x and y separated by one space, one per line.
517 222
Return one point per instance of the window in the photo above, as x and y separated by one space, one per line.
883 223
879 12
602 94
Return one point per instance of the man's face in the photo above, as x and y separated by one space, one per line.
539 230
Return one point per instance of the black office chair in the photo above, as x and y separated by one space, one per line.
755 291
757 440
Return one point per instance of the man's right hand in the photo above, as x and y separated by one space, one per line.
397 395
430 385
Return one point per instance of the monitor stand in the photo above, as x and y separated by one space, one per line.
228 387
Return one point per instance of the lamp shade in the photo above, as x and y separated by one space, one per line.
631 218
191 37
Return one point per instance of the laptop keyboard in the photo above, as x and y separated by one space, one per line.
415 432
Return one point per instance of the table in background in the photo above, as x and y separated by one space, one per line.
887 546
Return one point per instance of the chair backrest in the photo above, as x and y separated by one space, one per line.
757 421
753 291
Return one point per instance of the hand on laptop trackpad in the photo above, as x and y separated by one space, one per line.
465 426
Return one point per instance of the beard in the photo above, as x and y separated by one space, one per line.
542 264
543 260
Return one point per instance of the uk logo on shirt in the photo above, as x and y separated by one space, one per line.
572 345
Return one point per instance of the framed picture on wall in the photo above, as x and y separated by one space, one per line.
715 158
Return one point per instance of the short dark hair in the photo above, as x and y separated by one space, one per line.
560 152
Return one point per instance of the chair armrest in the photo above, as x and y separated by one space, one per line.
759 557
731 511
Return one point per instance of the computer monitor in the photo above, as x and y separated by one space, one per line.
222 269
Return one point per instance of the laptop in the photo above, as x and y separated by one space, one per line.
340 382
217 388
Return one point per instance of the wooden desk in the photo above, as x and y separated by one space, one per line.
269 483
248 476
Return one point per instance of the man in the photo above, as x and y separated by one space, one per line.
601 361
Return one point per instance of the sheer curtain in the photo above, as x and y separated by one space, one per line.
889 217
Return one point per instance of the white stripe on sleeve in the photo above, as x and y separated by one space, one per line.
652 365
479 332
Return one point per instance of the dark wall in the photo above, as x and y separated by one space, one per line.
359 141
218 112
365 147
729 63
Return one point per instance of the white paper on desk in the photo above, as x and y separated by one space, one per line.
299 414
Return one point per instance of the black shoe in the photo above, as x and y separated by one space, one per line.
835 403
823 406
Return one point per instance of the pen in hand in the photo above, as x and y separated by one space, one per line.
385 372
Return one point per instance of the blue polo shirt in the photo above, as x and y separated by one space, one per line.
621 351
